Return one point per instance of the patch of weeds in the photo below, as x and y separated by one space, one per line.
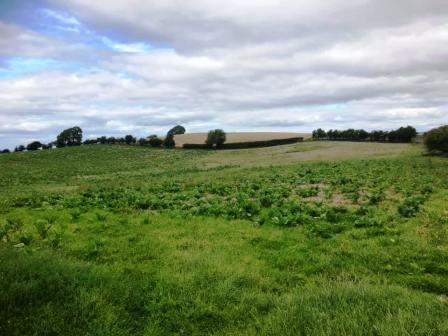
100 216
42 226
10 227
410 206
75 215
93 249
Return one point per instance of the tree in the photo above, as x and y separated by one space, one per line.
69 137
35 145
143 142
215 138
169 142
154 141
129 139
406 134
377 136
5 151
437 139
90 142
20 148
362 134
319 134
111 140
177 130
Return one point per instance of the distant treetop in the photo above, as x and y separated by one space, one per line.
177 130
69 137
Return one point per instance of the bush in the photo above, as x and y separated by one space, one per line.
5 151
437 139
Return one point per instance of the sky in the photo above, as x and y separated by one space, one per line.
140 67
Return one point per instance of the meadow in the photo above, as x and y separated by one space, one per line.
314 238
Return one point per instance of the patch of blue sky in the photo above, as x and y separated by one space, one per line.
138 47
19 66
57 24
127 76
63 25
61 17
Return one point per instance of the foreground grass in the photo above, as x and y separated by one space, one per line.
105 248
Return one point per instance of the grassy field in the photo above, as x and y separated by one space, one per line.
317 238
199 138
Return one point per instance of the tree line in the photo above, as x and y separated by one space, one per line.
402 134
436 140
74 137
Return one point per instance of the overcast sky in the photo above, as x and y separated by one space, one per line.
139 67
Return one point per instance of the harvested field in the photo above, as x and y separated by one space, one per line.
305 151
199 138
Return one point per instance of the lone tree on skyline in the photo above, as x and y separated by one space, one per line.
35 145
69 137
215 138
179 129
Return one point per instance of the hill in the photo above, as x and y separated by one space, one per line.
232 137
316 238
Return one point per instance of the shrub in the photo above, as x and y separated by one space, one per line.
437 139
42 226
5 151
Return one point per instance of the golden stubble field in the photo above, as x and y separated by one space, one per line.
199 138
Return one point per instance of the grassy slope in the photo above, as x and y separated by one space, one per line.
108 267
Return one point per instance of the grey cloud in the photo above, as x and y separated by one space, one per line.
242 65
203 23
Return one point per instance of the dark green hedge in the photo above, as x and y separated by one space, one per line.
195 146
437 139
248 144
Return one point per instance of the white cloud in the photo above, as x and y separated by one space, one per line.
265 64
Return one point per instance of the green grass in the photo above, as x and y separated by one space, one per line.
110 240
